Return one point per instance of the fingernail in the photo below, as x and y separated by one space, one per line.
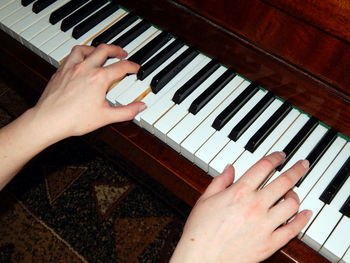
305 163
142 107
308 214
226 167
282 154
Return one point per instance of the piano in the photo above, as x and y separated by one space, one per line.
237 80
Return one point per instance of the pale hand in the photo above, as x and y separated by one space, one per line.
240 222
74 102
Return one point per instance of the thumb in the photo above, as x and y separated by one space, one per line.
220 182
127 112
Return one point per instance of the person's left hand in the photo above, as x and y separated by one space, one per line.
73 102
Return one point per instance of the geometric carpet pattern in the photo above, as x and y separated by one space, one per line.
70 204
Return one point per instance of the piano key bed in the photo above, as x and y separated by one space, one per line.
208 113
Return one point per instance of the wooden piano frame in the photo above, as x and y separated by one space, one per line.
237 44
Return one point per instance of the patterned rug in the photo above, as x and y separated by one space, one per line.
70 204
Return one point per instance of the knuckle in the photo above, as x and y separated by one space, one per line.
241 190
77 48
293 204
267 163
103 46
291 232
286 181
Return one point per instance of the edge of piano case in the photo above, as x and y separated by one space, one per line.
158 160
136 145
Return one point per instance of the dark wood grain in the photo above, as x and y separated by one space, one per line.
329 16
324 100
262 41
282 35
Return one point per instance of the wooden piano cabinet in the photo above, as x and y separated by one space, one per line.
312 73
161 163
315 82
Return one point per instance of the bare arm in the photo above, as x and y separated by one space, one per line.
72 104
230 222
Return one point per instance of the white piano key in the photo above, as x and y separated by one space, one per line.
327 219
289 134
205 130
303 151
5 3
33 24
135 45
119 88
141 87
151 98
231 156
346 257
43 37
113 60
179 111
63 37
141 39
184 128
319 168
60 52
220 138
339 241
161 106
312 201
12 19
31 18
247 159
7 11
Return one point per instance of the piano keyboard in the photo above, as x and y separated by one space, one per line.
205 111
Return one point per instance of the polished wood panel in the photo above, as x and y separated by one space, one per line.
330 16
316 96
282 35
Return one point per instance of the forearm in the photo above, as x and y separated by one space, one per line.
20 141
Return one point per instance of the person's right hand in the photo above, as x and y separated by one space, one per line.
240 222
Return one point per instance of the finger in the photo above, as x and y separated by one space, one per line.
286 181
285 233
118 70
258 173
285 209
220 182
99 56
77 55
125 113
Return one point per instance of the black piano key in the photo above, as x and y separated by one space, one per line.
150 48
41 5
27 2
115 29
298 140
131 34
65 10
265 130
336 183
318 151
251 116
82 13
159 59
227 114
170 71
94 19
211 91
345 209
193 83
